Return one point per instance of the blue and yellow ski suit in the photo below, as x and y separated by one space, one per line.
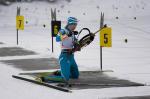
68 66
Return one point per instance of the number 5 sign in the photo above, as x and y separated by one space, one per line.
106 37
20 22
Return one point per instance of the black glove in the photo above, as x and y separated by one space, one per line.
75 32
70 34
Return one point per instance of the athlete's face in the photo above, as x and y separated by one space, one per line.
72 27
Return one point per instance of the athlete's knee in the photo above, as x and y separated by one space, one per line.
66 77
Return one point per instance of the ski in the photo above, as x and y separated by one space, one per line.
37 74
93 84
34 73
51 72
42 83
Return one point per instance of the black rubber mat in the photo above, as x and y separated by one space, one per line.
133 97
34 64
1 43
14 51
97 79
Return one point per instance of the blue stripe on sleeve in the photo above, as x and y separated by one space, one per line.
62 31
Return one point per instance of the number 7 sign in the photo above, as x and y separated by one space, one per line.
106 37
20 22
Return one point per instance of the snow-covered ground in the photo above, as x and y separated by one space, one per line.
128 60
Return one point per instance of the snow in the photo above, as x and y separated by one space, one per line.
128 60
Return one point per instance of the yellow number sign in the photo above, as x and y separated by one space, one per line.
20 22
55 29
106 37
